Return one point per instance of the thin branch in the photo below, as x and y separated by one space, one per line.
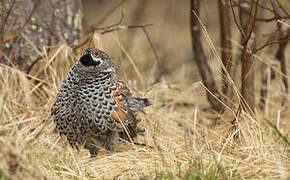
9 11
270 43
35 6
253 22
283 9
270 19
236 21
113 25
264 19
121 27
106 14
156 57
265 8
32 64
88 37
276 12
259 5
248 23
151 45
274 33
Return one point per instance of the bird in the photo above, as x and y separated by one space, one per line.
94 108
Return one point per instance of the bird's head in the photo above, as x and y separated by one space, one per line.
96 61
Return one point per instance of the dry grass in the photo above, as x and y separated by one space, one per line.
183 139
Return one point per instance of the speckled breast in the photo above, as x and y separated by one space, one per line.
101 103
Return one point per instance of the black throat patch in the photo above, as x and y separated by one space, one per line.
87 60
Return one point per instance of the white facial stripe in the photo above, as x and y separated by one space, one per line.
96 59
110 69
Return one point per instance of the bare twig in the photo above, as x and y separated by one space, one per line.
253 22
33 63
248 22
86 39
273 34
138 12
9 11
105 15
237 4
265 8
263 19
121 27
236 21
270 19
162 73
113 25
282 8
270 43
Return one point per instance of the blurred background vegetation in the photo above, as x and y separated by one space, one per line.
33 28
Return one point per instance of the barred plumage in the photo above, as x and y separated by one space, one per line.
93 107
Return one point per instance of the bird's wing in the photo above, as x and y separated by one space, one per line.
120 93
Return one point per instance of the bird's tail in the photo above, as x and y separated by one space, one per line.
134 104
137 104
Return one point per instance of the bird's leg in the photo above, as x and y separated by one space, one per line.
92 148
110 140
